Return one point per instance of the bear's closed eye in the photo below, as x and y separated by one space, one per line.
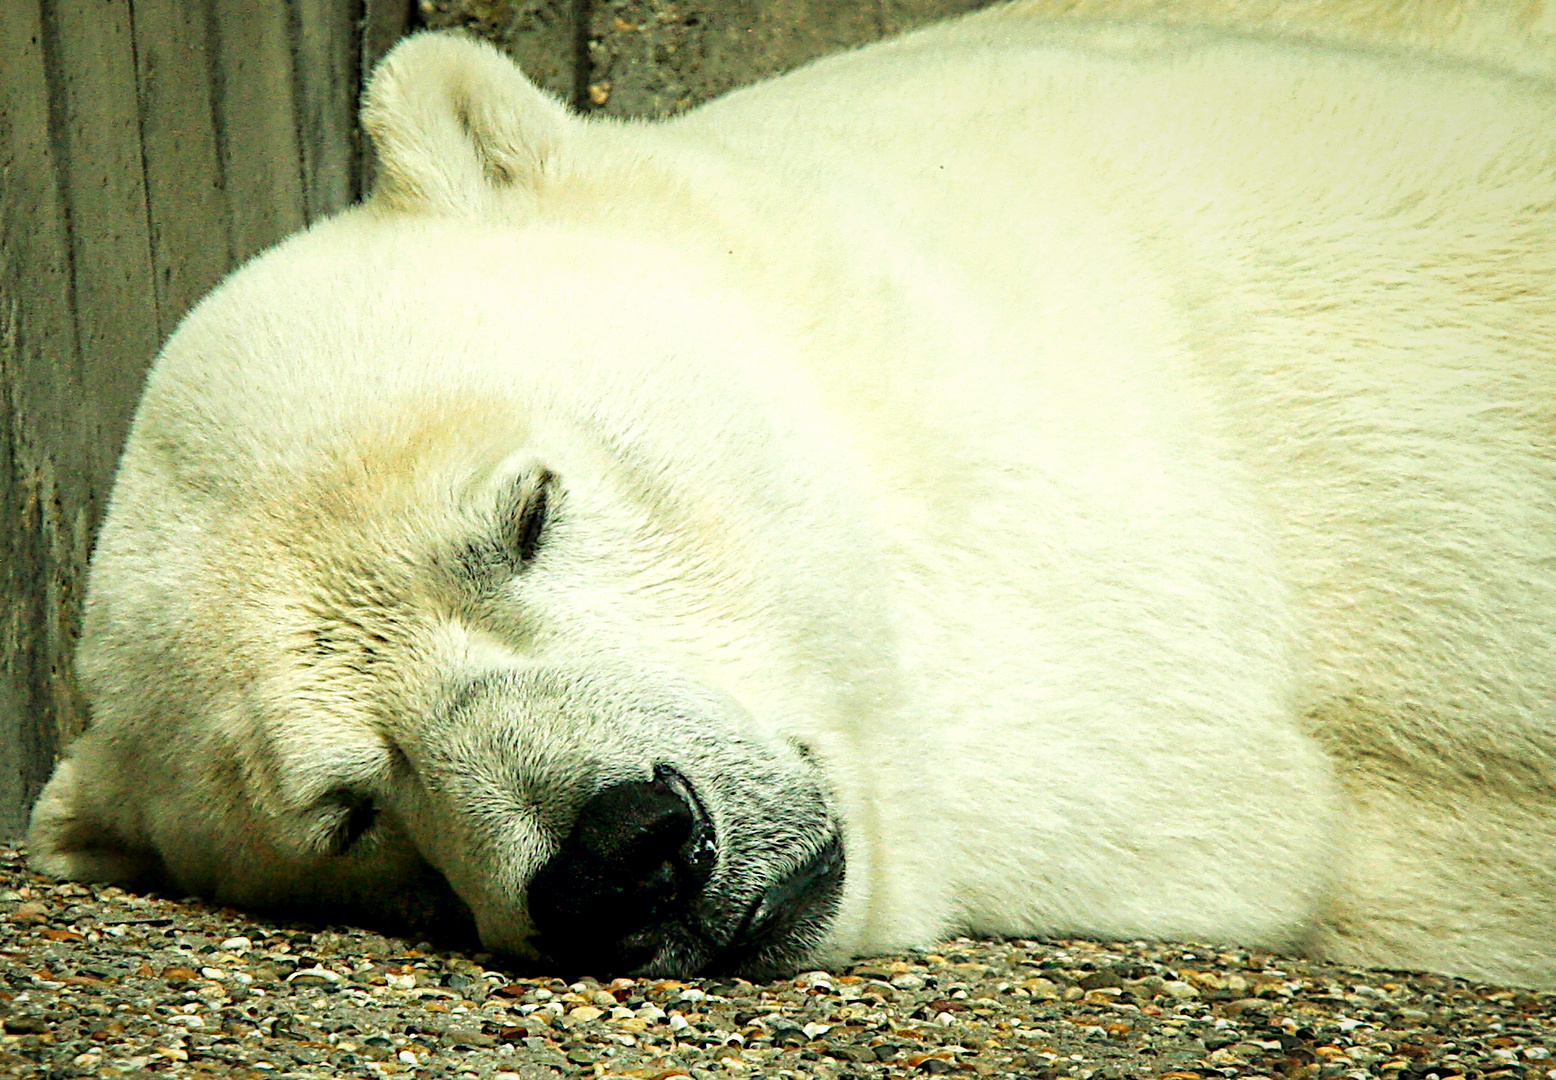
528 510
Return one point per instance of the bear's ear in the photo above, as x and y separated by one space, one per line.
458 128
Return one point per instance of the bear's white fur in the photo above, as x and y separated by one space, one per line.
1121 453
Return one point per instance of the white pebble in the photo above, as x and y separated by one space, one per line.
236 944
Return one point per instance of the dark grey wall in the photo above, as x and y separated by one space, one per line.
148 146
654 57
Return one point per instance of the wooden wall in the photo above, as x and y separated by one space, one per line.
146 147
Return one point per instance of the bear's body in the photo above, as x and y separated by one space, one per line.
1100 478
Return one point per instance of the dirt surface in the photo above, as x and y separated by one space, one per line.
95 981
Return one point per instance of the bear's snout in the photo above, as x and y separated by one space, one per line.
638 855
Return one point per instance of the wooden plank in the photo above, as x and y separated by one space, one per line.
33 301
97 139
257 124
185 196
34 246
327 80
94 124
52 472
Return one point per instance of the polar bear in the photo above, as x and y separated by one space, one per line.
1044 475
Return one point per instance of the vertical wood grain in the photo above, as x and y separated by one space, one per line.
326 75
34 311
76 318
146 148
257 123
102 168
185 193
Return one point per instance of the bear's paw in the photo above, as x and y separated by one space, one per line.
67 841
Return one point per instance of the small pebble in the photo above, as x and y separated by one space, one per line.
30 912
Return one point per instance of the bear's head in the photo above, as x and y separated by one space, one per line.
471 551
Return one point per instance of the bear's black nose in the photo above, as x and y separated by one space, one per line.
637 856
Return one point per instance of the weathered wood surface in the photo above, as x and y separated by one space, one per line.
146 146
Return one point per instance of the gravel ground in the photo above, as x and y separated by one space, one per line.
98 981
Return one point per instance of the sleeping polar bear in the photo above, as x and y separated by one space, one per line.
1039 476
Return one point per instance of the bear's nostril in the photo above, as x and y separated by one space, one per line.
628 831
637 855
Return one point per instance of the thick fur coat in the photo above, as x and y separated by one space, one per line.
1076 470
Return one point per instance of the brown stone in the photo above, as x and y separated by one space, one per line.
31 912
